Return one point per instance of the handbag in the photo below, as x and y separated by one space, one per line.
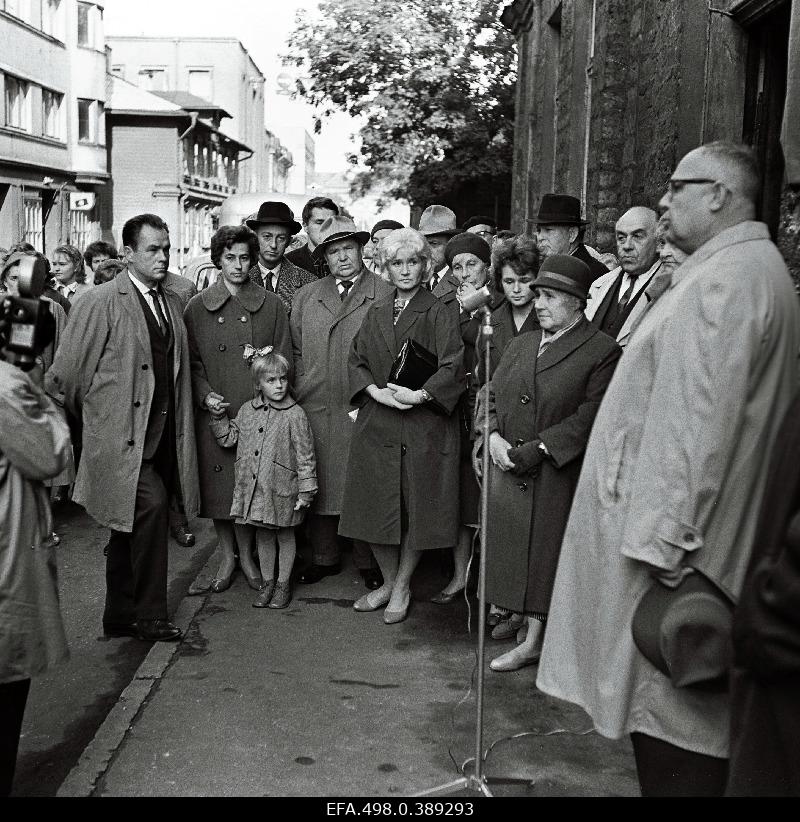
685 632
414 366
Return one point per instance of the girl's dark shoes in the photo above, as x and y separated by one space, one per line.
265 594
282 595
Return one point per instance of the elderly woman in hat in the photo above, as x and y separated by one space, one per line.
542 402
401 490
468 257
221 320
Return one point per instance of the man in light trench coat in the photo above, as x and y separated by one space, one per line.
326 316
123 366
675 470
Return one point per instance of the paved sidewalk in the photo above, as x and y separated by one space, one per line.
318 700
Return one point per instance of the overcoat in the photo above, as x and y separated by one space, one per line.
673 476
34 446
553 399
323 328
182 287
423 441
503 331
219 325
274 460
103 373
291 278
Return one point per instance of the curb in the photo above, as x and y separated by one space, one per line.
98 755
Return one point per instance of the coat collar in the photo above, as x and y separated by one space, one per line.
421 302
564 346
364 289
287 402
502 316
251 297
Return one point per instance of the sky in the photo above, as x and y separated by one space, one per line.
263 27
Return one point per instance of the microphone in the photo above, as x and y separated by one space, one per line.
478 299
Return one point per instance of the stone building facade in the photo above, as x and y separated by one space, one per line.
612 93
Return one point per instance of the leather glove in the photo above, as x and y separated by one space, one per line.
526 457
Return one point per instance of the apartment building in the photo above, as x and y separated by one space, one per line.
52 121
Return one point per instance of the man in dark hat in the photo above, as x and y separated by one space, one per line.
275 225
560 230
380 230
326 318
485 227
315 212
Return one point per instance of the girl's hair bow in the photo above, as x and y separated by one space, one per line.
251 353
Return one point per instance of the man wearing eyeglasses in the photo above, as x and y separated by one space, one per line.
483 226
672 481
274 225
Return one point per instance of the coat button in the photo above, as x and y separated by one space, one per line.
689 537
145 367
223 347
524 399
163 413
523 486
137 404
254 476
218 469
260 430
242 319
220 320
256 453
131 443
519 442
402 449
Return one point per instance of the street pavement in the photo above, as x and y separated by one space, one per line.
314 700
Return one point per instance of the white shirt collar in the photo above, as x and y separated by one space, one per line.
69 289
639 282
269 272
143 289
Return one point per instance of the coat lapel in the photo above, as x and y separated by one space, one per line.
130 303
329 295
563 346
384 318
418 305
363 289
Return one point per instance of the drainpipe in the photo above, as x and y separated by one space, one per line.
588 123
182 190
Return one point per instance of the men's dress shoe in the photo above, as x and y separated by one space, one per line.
496 617
513 660
508 627
373 578
443 598
220 584
314 573
182 535
391 617
118 629
158 630
370 603
265 595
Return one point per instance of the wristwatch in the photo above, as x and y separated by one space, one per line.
426 397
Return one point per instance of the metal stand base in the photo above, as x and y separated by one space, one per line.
463 783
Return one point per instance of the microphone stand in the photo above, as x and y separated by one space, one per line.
477 781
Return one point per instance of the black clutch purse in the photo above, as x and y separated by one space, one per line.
414 366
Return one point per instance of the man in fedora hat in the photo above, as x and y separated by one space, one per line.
438 224
326 317
675 471
560 230
275 225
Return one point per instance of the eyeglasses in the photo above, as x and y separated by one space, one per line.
675 185
485 234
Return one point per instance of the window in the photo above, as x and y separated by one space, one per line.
18 109
84 24
153 79
34 222
51 114
51 19
200 83
19 8
118 71
91 122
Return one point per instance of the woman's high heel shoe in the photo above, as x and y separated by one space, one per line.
391 617
443 598
369 602
220 584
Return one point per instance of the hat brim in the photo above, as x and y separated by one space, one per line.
293 225
547 280
570 221
445 232
362 237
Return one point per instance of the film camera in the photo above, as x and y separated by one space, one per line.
26 325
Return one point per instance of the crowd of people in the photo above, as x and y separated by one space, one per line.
333 398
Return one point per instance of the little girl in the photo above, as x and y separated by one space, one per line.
275 474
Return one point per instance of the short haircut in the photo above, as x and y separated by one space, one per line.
519 252
132 229
480 219
97 248
504 234
408 238
108 270
739 160
272 363
229 235
318 202
25 248
76 258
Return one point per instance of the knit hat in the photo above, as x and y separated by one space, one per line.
467 243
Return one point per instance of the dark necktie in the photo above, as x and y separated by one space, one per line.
162 320
626 296
434 281
345 285
268 282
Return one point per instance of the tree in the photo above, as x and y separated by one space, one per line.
433 82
